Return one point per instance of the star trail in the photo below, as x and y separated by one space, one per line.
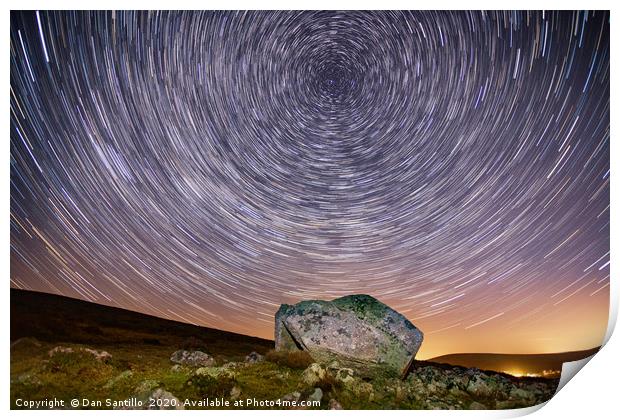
208 166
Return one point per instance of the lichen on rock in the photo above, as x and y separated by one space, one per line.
357 331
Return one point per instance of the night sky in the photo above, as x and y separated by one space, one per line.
209 166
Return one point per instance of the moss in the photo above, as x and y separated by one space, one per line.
207 386
267 380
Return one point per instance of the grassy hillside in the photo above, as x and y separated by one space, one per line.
65 349
55 319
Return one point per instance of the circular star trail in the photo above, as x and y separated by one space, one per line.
208 166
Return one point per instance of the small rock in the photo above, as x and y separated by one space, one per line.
102 356
235 392
477 406
344 376
313 374
233 365
334 405
163 400
192 358
177 368
254 357
59 349
148 396
282 375
317 395
479 387
293 396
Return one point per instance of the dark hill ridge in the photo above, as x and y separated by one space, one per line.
515 364
55 318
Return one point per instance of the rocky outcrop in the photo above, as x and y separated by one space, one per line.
439 386
432 386
357 331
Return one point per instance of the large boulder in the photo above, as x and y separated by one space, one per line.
357 331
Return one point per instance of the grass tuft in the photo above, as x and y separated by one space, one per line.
296 359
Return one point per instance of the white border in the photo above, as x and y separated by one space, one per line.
592 395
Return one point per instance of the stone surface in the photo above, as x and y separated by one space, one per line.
235 392
59 349
293 396
165 401
99 355
344 376
178 368
233 365
317 395
357 331
192 358
313 374
254 357
148 395
334 405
